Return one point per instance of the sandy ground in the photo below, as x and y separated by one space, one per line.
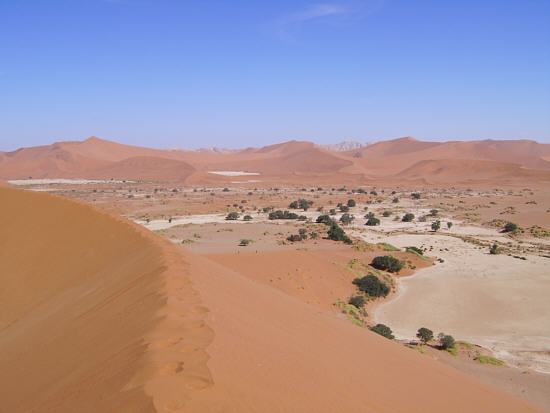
499 301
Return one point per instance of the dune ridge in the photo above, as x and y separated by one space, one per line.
96 313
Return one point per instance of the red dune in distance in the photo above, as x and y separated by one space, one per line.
100 316
293 161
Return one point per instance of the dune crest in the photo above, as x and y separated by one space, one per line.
96 314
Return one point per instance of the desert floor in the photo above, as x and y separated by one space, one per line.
498 302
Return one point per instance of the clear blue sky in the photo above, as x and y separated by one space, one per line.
176 73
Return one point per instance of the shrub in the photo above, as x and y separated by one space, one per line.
425 334
436 225
301 203
415 250
373 192
387 263
510 227
386 214
346 219
344 208
336 233
324 219
489 360
282 215
494 250
434 212
245 242
357 301
449 225
351 203
408 217
395 200
232 216
294 238
415 195
369 215
247 218
446 341
383 330
372 286
371 222
332 212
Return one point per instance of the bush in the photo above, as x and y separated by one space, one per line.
436 225
295 238
415 195
425 334
415 250
372 286
446 341
336 233
510 227
344 208
357 301
324 219
351 203
383 330
332 212
408 217
282 215
449 225
494 250
434 212
245 242
232 216
247 218
387 263
395 200
386 214
301 203
371 222
346 219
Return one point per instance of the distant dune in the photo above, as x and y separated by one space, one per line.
99 316
292 162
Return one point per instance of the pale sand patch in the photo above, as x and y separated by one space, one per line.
233 173
63 181
499 302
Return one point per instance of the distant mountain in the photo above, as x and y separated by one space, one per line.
344 146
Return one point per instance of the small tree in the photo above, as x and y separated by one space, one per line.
346 219
449 225
434 212
344 208
510 227
415 195
395 200
336 233
245 242
247 218
351 203
383 330
386 214
387 263
425 334
446 341
324 219
372 286
408 217
357 301
372 221
232 216
436 225
494 250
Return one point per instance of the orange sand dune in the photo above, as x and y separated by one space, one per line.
92 313
462 170
146 168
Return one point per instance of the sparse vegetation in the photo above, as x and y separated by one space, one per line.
302 203
489 360
357 301
336 233
282 215
245 242
408 217
387 263
425 335
372 286
383 330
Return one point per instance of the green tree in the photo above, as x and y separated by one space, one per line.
232 216
372 221
449 225
425 334
408 217
357 301
387 263
436 225
372 286
383 330
510 227
351 203
446 341
336 233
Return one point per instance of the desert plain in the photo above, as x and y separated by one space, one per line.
229 280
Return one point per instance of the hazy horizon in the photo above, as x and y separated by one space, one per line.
172 74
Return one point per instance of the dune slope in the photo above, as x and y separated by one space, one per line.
92 312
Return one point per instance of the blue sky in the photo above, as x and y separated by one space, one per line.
234 73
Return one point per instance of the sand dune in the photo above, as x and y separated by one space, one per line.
462 170
293 161
92 311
